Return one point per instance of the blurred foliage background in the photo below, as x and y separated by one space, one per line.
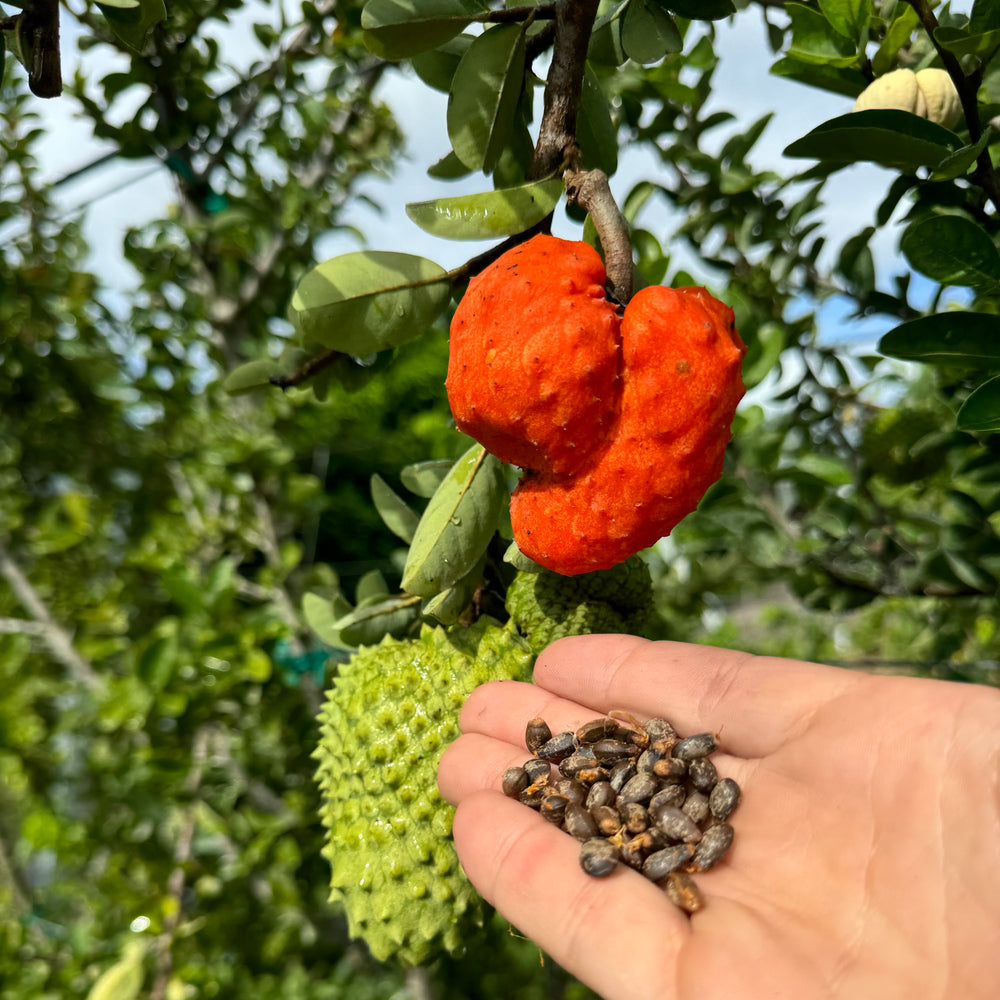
157 692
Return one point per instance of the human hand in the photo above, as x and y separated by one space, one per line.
866 862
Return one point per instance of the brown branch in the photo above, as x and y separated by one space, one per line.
590 190
515 15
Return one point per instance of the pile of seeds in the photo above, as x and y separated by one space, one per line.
635 794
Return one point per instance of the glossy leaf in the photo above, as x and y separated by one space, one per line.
132 24
954 251
848 82
814 42
981 411
484 96
423 478
948 338
605 45
396 29
962 161
892 138
649 32
964 43
596 132
367 301
489 214
397 514
448 168
457 525
847 17
905 22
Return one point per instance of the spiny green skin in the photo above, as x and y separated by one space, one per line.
389 717
546 606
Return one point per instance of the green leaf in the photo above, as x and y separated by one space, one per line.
368 625
252 375
952 250
847 17
396 29
649 33
605 46
423 478
492 213
484 95
813 42
131 25
892 138
124 979
457 525
368 301
399 517
448 168
849 82
120 4
371 587
962 43
700 10
437 68
447 607
596 132
322 614
981 411
156 665
763 353
948 338
520 562
959 163
905 22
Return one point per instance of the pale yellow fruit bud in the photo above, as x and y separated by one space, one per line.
943 104
897 90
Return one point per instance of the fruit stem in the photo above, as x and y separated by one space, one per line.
590 190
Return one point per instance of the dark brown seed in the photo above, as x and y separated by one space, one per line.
537 770
557 749
515 780
622 772
659 864
670 769
703 774
590 776
601 794
677 825
641 788
635 851
713 846
553 807
671 796
696 806
682 892
724 798
647 760
573 790
665 744
659 728
576 763
596 729
598 857
607 819
609 752
537 734
692 747
532 796
635 817
579 823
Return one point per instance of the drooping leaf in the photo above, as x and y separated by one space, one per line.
952 250
368 625
423 478
965 43
849 82
321 615
962 161
847 17
948 338
649 32
252 375
397 514
457 525
814 42
367 301
447 606
448 168
492 213
892 138
437 67
595 131
605 46
396 29
133 23
484 96
371 588
981 411
904 23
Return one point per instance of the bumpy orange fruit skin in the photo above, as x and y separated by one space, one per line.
680 386
534 354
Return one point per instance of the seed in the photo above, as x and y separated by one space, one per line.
537 770
557 749
591 776
724 798
553 807
621 773
598 857
677 825
537 734
682 892
607 819
672 795
579 823
713 846
601 794
515 780
670 769
641 788
703 774
596 729
692 747
665 744
659 728
609 751
573 790
696 806
576 763
659 864
647 760
635 851
532 795
635 816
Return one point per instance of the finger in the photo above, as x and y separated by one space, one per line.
475 763
530 872
755 703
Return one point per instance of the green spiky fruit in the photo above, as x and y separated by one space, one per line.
390 715
546 606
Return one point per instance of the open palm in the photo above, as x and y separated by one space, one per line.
866 862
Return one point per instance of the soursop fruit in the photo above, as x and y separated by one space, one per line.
547 606
393 710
